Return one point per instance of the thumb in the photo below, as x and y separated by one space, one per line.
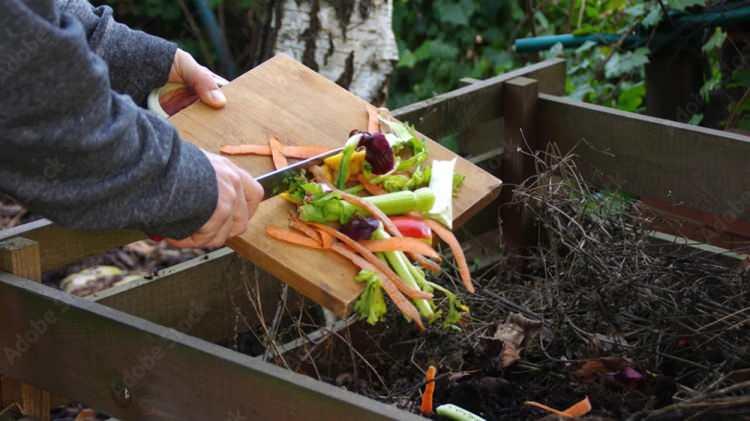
202 81
204 84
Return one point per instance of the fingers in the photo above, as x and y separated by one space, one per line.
253 192
203 81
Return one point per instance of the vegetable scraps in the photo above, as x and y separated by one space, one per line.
577 410
429 390
378 204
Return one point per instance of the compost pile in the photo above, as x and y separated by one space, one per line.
645 329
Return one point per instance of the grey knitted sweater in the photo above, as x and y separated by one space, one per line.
75 143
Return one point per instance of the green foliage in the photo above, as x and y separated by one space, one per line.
442 41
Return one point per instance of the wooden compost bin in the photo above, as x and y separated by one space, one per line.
139 352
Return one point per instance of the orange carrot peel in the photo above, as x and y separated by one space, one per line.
578 410
447 236
292 237
429 391
405 244
379 264
279 160
289 151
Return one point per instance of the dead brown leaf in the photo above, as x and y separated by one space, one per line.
512 334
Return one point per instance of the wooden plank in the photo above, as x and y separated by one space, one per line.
60 246
285 99
212 286
480 102
136 370
688 166
520 99
20 257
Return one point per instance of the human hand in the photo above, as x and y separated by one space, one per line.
200 79
239 197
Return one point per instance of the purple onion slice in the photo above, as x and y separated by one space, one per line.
378 152
359 228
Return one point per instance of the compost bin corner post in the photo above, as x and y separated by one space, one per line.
21 257
520 105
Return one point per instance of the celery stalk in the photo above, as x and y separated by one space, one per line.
441 184
400 264
331 209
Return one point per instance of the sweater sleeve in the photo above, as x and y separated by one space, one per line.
76 151
138 62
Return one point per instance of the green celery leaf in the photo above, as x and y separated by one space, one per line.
371 304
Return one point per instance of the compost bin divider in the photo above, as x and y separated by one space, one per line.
137 370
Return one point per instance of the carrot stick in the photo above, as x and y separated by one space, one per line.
306 229
381 265
326 239
458 253
248 149
291 237
405 306
429 391
296 152
304 152
373 122
578 410
373 189
279 160
388 224
401 244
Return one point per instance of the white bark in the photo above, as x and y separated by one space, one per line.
367 42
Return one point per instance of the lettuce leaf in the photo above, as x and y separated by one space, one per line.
371 304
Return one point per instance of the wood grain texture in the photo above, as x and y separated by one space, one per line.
520 98
285 99
89 352
20 256
687 166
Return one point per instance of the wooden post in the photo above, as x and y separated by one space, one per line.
675 94
520 105
20 257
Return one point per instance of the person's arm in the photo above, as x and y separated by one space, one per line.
85 156
138 62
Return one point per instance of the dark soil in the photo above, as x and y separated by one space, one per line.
645 329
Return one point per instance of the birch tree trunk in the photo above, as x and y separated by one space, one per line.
350 42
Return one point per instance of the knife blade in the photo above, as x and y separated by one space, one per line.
273 180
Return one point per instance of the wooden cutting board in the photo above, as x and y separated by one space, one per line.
283 98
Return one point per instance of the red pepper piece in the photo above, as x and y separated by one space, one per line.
412 227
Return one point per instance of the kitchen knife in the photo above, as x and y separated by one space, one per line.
273 181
